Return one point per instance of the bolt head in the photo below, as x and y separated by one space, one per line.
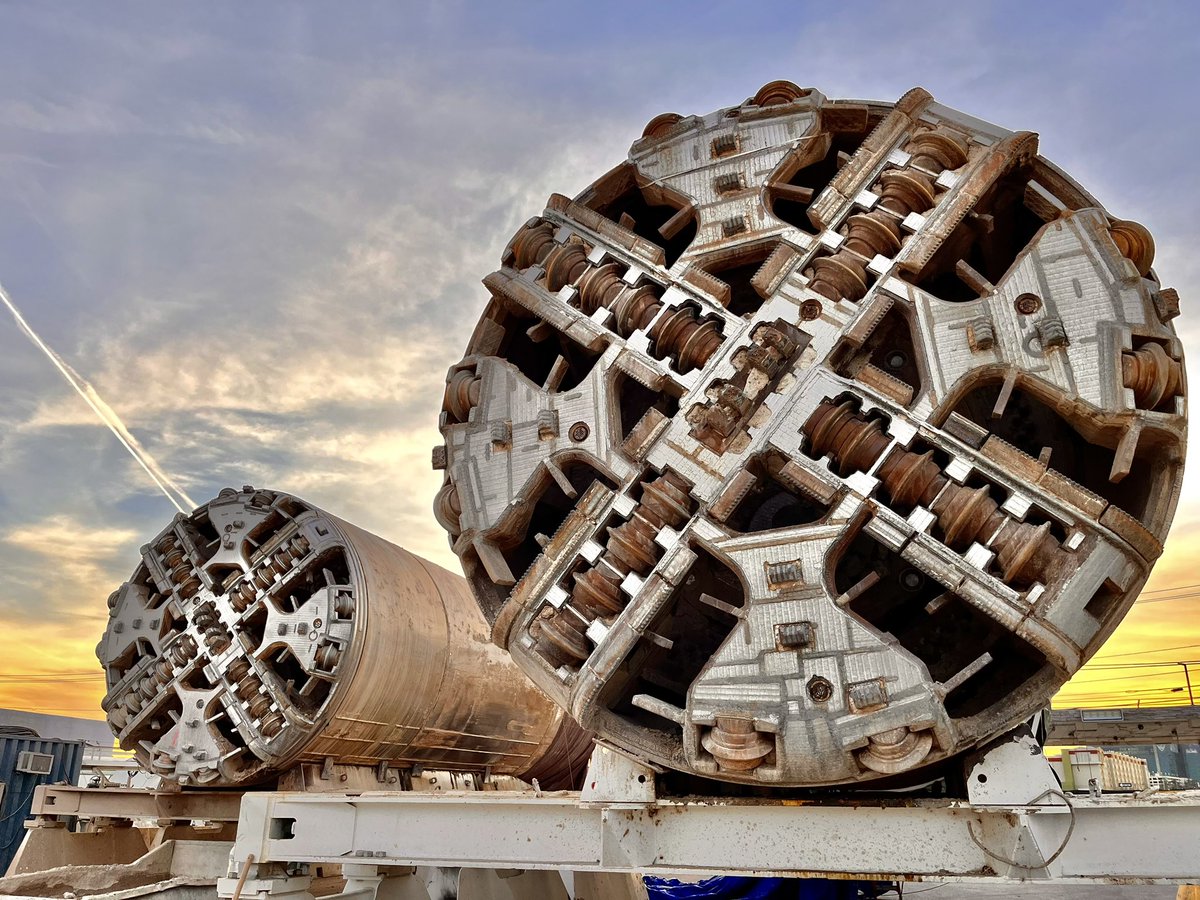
1028 304
820 689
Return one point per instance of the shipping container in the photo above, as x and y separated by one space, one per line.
26 762
1056 763
1110 771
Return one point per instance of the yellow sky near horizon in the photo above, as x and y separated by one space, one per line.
51 667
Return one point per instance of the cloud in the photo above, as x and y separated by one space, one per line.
307 351
60 566
261 235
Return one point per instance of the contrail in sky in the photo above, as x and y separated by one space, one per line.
165 482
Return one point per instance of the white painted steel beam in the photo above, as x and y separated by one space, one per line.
54 800
1150 840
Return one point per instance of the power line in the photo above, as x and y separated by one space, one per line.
1178 698
1119 695
1120 667
1143 665
38 684
1188 596
1141 652
1178 587
1121 678
1126 703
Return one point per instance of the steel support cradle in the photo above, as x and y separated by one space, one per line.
617 825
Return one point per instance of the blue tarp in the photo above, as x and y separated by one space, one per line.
737 888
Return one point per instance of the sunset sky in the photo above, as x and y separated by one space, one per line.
259 231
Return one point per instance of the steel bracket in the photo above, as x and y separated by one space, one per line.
617 781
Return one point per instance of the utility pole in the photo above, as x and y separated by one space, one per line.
1188 676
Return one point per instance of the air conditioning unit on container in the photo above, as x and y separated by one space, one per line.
34 763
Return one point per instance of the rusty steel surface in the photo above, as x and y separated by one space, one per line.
817 442
261 632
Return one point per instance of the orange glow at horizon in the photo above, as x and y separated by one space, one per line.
52 667
1154 631
36 656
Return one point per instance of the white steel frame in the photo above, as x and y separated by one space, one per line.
1015 825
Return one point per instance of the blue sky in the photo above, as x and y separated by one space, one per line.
259 229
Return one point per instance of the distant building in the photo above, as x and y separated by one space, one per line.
1180 760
